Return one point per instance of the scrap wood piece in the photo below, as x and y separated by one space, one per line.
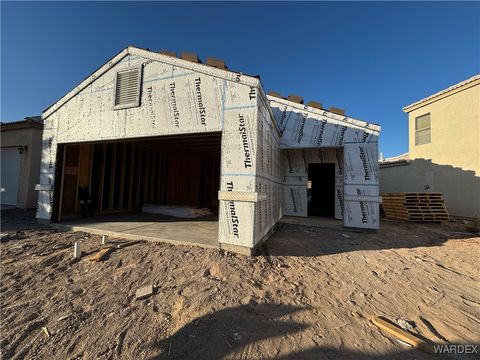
403 335
45 330
144 292
128 243
101 254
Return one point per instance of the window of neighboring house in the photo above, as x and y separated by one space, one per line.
127 88
422 130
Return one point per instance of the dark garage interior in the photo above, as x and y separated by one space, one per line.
109 177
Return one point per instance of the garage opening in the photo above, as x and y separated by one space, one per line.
10 170
321 189
111 182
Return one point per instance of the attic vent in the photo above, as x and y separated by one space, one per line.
127 88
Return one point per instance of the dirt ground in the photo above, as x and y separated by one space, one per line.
309 296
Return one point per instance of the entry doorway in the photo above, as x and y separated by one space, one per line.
321 189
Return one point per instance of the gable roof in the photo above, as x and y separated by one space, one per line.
237 77
474 80
341 118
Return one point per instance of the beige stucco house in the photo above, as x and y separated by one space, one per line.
444 149
21 153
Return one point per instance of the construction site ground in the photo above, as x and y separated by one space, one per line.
308 295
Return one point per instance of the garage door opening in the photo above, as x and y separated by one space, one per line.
10 170
321 190
109 183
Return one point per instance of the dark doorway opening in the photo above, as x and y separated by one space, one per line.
321 190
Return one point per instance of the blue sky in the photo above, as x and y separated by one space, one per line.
368 58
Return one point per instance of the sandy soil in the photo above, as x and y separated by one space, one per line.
309 296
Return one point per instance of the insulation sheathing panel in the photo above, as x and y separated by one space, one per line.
361 200
173 101
307 127
296 178
269 174
177 97
238 166
354 141
47 171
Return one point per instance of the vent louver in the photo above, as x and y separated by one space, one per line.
127 89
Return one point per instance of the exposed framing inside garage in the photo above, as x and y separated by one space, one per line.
119 176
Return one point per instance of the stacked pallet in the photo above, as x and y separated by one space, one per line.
415 206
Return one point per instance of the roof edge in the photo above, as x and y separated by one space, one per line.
333 116
87 81
463 85
229 75
22 124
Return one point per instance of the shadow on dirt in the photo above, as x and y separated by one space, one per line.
299 240
235 332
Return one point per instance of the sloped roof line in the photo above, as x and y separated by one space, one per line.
345 119
132 50
442 92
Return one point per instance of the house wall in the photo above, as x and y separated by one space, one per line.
455 130
251 178
461 188
234 105
309 130
269 176
169 105
29 161
296 177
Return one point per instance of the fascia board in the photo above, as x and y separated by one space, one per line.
338 118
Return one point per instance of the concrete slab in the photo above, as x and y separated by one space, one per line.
153 227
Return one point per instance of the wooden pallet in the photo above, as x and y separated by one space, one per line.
420 207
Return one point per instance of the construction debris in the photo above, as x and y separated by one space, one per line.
401 334
415 206
405 324
144 292
128 243
64 317
100 297
101 254
45 330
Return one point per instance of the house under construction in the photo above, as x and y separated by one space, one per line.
149 128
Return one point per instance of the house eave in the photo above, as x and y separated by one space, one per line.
147 54
473 81
344 119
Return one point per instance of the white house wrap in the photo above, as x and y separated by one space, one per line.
311 135
266 142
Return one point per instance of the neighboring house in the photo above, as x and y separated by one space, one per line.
21 153
151 128
444 149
